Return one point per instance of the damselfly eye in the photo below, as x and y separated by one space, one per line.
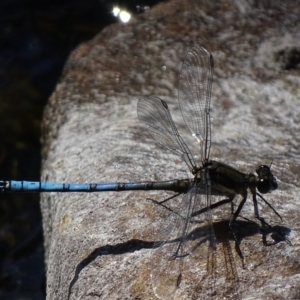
263 171
274 184
263 186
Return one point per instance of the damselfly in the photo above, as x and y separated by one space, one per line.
180 236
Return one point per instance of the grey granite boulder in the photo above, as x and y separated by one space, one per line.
99 246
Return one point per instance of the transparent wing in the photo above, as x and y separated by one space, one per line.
184 247
155 114
195 93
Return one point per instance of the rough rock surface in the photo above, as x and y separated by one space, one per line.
99 246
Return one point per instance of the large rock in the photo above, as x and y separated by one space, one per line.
99 246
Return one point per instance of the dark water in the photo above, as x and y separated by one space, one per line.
36 38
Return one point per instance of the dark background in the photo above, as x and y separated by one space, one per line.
36 38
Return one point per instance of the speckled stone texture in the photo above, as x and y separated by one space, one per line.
99 246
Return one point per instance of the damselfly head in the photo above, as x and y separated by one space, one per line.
266 181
